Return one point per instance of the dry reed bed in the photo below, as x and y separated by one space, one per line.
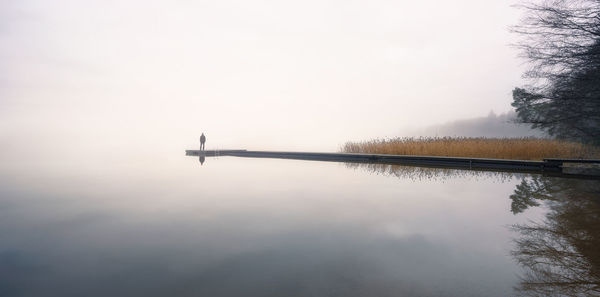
496 148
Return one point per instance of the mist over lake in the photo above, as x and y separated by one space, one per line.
117 117
258 227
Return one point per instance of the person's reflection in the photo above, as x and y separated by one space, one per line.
561 255
201 158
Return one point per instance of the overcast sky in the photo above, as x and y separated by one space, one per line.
300 75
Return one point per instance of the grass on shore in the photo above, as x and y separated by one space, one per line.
497 148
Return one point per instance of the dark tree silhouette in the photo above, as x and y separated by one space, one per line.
560 255
561 41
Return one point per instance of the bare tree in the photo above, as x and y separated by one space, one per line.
561 42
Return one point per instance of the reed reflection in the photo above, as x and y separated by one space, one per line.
431 173
561 254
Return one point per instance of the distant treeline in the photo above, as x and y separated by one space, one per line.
493 125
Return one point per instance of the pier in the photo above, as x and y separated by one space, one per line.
560 167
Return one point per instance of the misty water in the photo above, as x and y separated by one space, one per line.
169 226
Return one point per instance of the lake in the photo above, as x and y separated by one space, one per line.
169 226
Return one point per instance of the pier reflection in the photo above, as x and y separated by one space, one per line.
561 254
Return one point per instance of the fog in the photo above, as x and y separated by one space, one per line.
100 99
492 125
105 78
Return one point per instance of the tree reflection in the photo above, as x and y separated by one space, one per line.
561 255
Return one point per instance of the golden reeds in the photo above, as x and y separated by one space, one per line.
497 148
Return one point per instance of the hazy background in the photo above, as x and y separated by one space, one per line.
492 125
99 100
106 80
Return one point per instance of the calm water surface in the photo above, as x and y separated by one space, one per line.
259 227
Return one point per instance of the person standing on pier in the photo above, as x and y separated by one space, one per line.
202 141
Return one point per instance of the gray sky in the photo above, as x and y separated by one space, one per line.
106 76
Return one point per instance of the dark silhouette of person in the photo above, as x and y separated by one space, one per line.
202 141
201 158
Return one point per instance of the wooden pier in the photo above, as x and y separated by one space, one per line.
573 167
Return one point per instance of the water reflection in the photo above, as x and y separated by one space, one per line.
561 254
432 173
252 227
